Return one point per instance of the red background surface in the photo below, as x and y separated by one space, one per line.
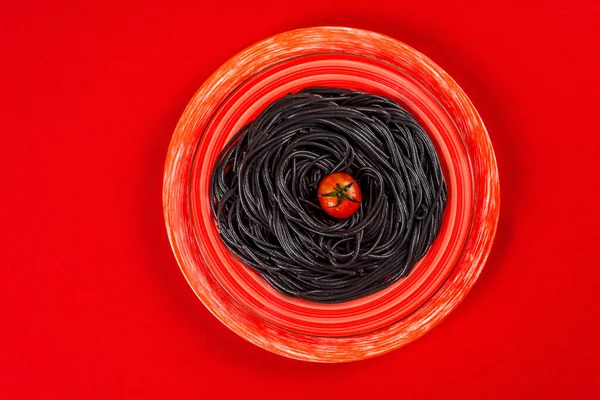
93 303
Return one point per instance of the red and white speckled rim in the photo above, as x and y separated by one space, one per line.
296 330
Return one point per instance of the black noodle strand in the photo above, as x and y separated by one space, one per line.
264 194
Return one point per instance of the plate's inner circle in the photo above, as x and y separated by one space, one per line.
379 309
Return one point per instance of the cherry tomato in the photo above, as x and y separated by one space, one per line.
339 195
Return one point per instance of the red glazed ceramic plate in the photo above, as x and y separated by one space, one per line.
373 325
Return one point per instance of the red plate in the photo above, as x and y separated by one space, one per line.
373 325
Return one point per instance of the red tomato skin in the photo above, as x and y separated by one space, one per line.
329 204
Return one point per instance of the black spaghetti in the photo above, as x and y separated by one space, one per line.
264 194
